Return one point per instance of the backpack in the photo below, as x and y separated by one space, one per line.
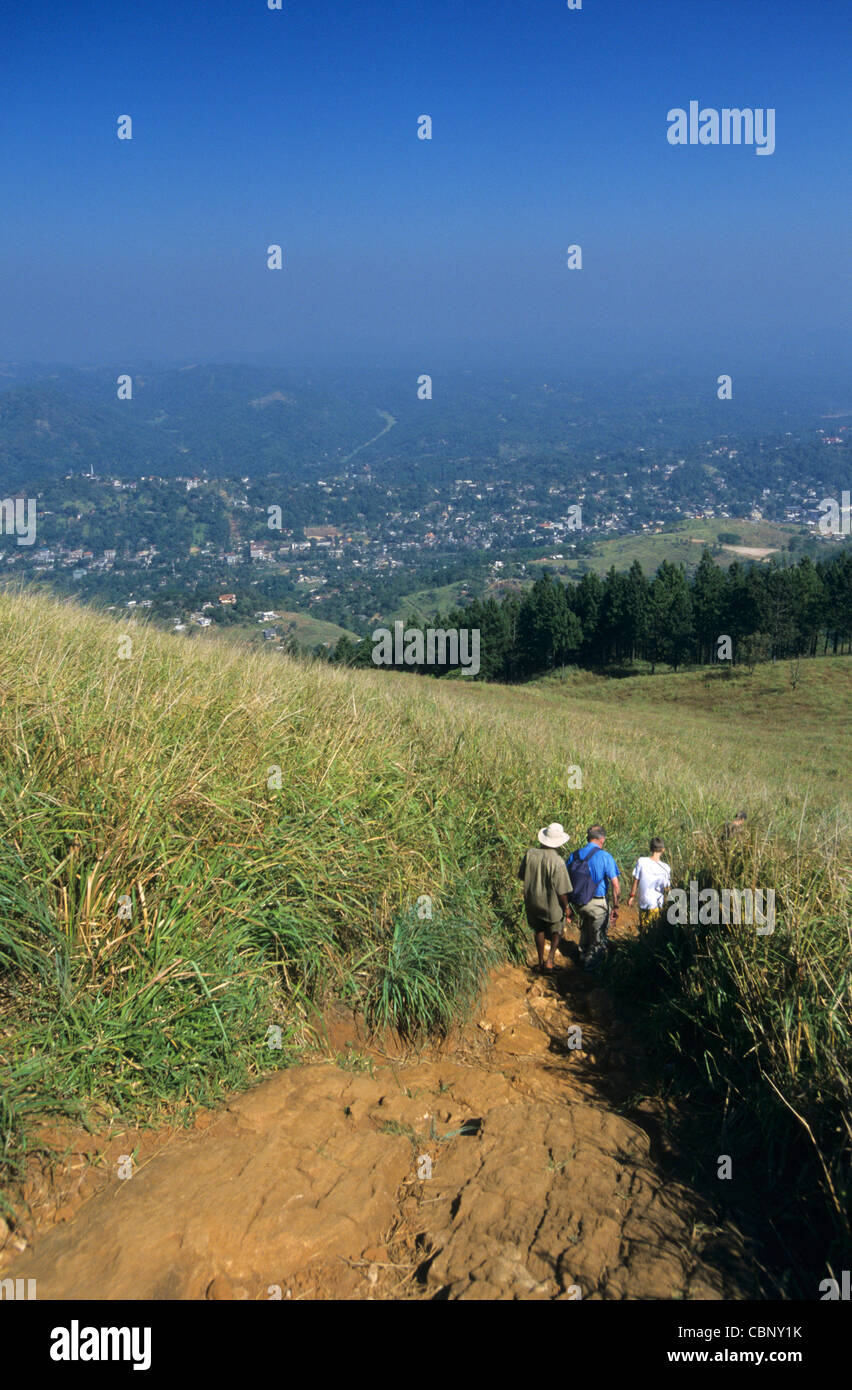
583 882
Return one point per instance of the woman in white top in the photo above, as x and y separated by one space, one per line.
651 879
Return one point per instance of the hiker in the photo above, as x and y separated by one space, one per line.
652 880
733 839
734 827
546 887
592 870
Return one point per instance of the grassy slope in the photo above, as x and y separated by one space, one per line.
423 604
683 544
149 778
307 630
752 740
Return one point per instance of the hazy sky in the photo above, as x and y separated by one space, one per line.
299 127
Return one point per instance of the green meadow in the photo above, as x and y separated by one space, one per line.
203 841
302 628
682 544
423 604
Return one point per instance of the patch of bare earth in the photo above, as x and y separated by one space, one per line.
493 1168
753 552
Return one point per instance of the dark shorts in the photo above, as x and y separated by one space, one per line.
549 928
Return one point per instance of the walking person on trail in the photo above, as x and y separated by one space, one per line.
652 880
547 884
732 828
593 870
733 839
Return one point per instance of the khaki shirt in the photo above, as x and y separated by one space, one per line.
544 875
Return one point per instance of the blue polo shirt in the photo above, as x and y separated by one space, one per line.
604 868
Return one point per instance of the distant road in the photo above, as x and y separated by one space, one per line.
389 426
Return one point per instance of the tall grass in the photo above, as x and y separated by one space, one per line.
196 844
432 971
764 1021
200 842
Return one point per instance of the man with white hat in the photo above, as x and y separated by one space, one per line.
546 887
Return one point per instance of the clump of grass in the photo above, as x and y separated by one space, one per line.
433 971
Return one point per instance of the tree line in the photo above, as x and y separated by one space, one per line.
743 614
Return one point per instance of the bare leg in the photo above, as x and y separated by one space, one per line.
540 941
554 946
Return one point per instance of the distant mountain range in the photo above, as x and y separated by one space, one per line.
225 420
248 420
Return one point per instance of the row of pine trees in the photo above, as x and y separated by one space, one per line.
766 612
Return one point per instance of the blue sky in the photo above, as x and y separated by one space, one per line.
253 126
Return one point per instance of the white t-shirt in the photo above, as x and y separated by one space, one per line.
654 879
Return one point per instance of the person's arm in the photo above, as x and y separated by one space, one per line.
565 887
633 891
616 894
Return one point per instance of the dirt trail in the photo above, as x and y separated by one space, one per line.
315 1183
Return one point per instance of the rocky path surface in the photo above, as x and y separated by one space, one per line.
498 1167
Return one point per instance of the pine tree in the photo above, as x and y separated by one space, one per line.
708 599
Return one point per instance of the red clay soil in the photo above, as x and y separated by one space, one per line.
495 1167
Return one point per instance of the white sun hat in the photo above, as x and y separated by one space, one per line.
553 835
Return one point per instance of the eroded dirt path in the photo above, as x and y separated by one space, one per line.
497 1167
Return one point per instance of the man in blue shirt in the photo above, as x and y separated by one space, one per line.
594 916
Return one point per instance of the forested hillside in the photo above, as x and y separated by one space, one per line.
766 612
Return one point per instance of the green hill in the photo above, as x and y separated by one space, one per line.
303 628
200 842
683 543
